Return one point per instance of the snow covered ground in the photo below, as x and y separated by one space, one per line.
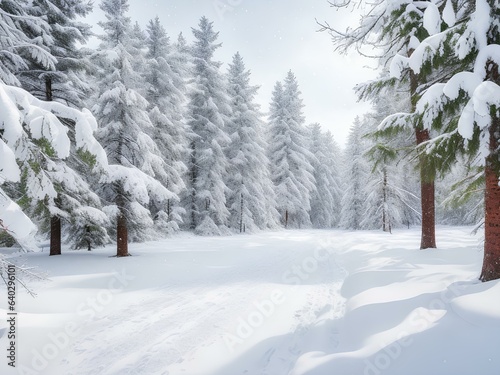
288 302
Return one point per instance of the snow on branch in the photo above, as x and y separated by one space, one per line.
22 119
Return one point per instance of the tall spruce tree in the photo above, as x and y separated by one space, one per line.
208 112
291 169
325 202
356 177
166 94
392 200
251 200
66 81
464 108
395 29
136 168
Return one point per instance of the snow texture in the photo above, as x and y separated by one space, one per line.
298 302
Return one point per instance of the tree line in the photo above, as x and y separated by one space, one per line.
173 141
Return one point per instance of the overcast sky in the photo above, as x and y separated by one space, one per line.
273 37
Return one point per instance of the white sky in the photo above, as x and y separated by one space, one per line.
274 36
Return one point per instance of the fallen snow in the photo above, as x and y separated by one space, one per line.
276 303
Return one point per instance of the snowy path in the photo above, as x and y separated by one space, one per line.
197 306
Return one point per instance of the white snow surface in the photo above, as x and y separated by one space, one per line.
291 302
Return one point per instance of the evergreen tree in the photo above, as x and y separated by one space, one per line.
396 29
461 193
136 166
66 81
21 41
465 107
291 169
208 111
392 199
334 161
356 177
33 143
166 94
41 164
325 202
251 200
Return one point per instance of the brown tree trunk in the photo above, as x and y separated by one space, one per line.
55 235
491 260
121 236
286 218
427 201
427 192
55 221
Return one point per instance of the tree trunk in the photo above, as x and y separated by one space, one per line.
286 218
241 213
122 236
55 235
55 221
427 201
88 234
491 260
193 185
386 221
427 196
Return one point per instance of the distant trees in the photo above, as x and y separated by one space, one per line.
291 169
326 199
251 199
355 178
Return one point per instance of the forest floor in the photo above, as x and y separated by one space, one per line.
292 302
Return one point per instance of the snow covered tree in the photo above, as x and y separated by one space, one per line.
166 94
333 155
251 201
136 165
326 199
461 193
291 169
395 30
21 41
33 143
208 112
28 42
392 199
355 178
66 81
464 108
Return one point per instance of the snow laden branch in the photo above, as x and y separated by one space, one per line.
24 121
